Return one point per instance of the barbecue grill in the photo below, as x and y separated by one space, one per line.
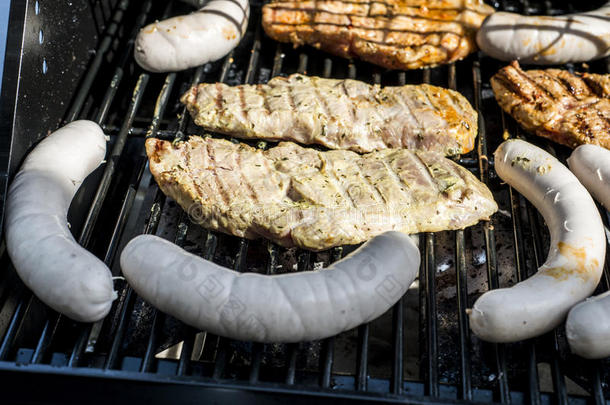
70 61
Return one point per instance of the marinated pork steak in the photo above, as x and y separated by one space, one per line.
339 114
315 200
395 34
570 109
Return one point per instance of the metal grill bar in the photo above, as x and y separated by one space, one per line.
328 351
397 342
462 299
462 291
293 349
13 327
112 359
185 353
123 215
598 393
429 278
223 343
151 346
113 159
488 228
362 357
91 74
258 348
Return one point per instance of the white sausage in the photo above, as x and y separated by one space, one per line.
588 327
576 253
191 40
64 275
546 40
588 323
280 308
591 164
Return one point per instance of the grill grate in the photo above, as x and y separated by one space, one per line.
428 354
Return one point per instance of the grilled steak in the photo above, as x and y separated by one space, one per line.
339 114
301 197
570 109
396 34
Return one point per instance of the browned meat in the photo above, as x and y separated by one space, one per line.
396 34
339 114
570 109
301 197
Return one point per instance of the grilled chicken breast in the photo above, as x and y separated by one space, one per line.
339 114
571 109
315 200
395 34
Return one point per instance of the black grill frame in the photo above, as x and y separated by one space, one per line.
130 199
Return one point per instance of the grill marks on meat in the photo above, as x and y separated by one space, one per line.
396 34
338 114
571 109
315 200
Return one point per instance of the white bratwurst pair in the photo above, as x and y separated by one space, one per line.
544 40
576 255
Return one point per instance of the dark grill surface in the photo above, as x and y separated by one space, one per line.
420 351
